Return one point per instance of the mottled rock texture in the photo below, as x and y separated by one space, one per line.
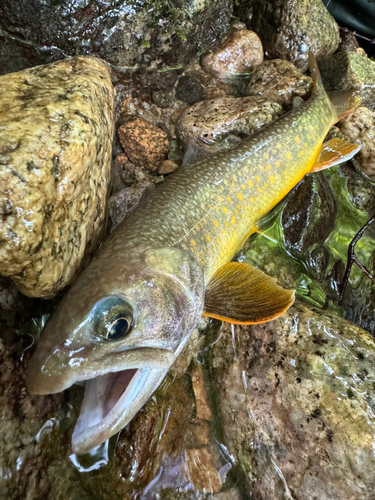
279 81
290 28
56 128
350 70
236 55
360 127
295 398
221 123
126 33
145 144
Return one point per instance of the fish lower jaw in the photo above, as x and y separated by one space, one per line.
109 404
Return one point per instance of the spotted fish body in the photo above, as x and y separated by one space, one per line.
128 315
211 207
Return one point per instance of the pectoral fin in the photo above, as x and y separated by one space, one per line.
240 293
334 152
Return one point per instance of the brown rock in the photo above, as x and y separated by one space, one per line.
145 144
167 167
238 53
220 123
202 473
56 125
279 81
360 127
197 379
348 41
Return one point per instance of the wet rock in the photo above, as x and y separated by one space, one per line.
124 202
296 405
350 70
202 472
190 90
145 144
348 41
359 126
236 56
279 81
221 123
55 151
167 167
290 28
309 215
361 192
197 379
128 34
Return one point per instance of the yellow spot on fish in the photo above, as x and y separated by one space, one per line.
238 206
240 196
297 139
220 198
216 223
277 163
289 155
216 208
208 237
269 167
243 215
322 120
257 178
234 177
279 146
267 156
246 170
265 185
261 167
250 183
300 153
233 220
272 179
251 199
226 224
193 242
218 239
212 231
225 210
305 144
243 187
235 211
311 127
308 136
233 185
229 199
260 189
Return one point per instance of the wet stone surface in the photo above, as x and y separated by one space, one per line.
295 398
288 29
221 123
279 81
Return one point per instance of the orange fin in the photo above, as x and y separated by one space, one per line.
334 152
240 293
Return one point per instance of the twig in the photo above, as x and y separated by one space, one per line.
352 259
371 40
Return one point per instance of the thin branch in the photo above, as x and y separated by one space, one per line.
352 259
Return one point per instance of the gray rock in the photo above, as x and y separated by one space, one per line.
56 125
290 28
296 402
359 126
126 33
236 56
309 215
220 123
350 70
279 81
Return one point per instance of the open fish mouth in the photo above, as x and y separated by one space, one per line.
110 402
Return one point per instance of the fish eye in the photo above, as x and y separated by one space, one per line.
113 318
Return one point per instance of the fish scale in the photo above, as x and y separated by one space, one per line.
211 207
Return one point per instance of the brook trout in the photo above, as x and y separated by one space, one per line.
128 315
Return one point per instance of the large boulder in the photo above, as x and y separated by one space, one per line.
56 129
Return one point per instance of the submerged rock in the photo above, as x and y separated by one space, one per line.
360 127
56 126
221 123
309 215
296 402
350 70
290 28
279 81
236 55
146 145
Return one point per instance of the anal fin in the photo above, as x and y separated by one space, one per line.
334 152
240 293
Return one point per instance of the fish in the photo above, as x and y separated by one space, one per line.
129 314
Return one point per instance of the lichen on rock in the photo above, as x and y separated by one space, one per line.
56 125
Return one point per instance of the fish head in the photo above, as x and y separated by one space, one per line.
118 331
